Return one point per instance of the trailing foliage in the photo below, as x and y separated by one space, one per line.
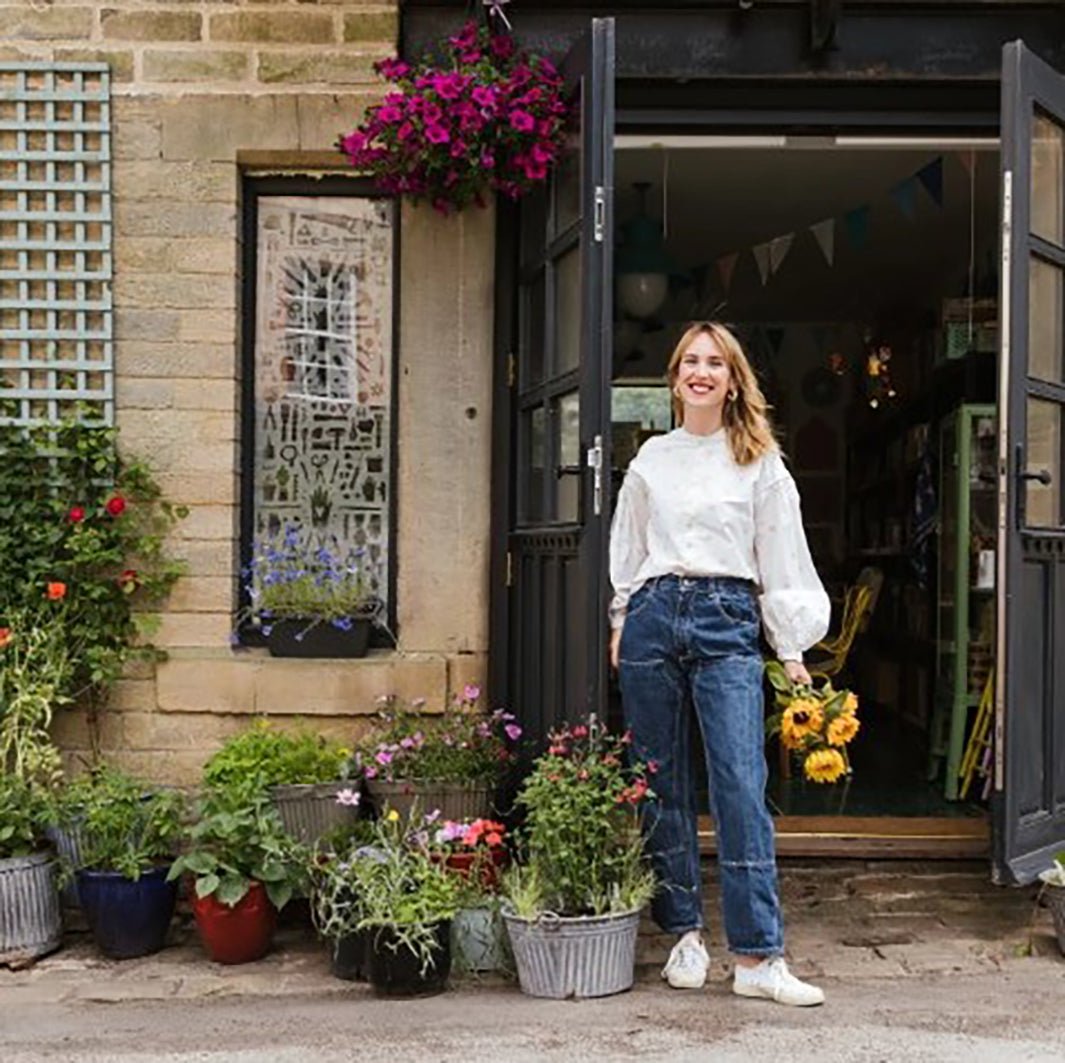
23 816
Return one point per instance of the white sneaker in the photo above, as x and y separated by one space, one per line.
687 964
772 980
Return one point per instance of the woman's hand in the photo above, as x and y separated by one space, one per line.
797 673
615 647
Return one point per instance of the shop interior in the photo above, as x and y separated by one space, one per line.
861 275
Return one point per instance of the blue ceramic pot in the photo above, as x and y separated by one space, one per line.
127 918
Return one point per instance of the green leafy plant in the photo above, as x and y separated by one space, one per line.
1055 874
461 745
82 531
391 881
126 825
23 816
231 846
583 850
262 756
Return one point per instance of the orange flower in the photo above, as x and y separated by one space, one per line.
824 765
5 636
56 591
842 729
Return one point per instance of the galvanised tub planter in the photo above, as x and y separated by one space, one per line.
456 801
574 956
30 923
311 810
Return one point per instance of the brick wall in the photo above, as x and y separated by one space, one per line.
201 92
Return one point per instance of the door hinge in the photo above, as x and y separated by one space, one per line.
510 569
599 216
512 369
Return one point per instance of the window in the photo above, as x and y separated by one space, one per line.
55 243
319 309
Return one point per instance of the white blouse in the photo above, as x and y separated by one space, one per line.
687 508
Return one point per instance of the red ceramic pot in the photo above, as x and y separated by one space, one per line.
239 934
491 863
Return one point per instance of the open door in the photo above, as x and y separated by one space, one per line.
560 377
1029 806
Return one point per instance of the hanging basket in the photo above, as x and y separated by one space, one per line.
454 800
310 810
574 956
30 924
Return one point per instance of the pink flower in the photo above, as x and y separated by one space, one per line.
404 132
513 731
390 113
383 757
349 798
488 160
535 171
522 121
580 731
436 134
542 153
353 143
370 772
458 149
484 96
501 46
392 69
471 692
449 86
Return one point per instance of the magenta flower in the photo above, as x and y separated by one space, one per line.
392 69
383 757
484 96
436 134
390 113
512 731
522 121
488 160
471 692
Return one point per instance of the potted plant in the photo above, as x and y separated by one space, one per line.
475 117
476 853
450 763
244 868
30 923
129 834
572 911
309 600
1053 879
393 891
302 773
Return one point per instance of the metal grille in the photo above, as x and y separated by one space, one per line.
56 353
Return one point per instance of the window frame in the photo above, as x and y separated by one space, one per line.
252 189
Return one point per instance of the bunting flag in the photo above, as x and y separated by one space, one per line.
931 176
905 196
778 251
761 256
968 159
825 234
726 266
857 222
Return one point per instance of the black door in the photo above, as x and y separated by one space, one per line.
1029 819
556 562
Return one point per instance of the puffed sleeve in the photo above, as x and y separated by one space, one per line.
628 542
795 608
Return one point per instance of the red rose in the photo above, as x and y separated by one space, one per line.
129 580
56 591
116 506
76 515
5 636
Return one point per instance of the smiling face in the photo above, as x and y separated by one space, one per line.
703 377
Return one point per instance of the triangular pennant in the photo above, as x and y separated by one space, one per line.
775 336
778 251
726 266
825 233
931 176
857 222
967 158
761 256
905 196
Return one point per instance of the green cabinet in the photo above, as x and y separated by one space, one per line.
965 585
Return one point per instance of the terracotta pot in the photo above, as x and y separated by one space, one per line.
491 863
239 934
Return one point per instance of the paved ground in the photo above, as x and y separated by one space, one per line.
920 962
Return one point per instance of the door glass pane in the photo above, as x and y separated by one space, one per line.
531 353
533 225
532 451
1042 505
566 183
1048 179
568 311
568 426
1046 321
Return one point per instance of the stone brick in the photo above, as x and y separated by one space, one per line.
202 594
193 629
165 290
172 767
323 118
173 218
205 256
136 356
333 68
160 730
205 685
206 127
151 25
44 24
371 26
145 393
208 521
467 668
120 62
180 439
200 488
210 325
132 695
135 138
197 181
147 324
206 557
206 395
280 27
198 65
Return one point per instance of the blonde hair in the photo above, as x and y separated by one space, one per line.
745 417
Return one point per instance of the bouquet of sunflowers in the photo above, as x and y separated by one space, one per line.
814 723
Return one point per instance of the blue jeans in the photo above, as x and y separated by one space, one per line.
694 642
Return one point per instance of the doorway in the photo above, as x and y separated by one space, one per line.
861 275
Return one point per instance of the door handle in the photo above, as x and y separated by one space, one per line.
567 470
1042 477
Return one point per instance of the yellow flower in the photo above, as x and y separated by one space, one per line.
824 765
850 702
802 717
842 729
392 816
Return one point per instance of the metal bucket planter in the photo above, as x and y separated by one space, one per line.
455 800
579 956
310 810
1055 898
30 924
70 845
477 940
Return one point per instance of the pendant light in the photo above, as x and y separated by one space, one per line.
642 266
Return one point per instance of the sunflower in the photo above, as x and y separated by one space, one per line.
801 718
842 729
850 703
824 765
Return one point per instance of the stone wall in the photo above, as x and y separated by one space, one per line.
203 92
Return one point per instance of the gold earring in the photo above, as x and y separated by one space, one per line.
732 396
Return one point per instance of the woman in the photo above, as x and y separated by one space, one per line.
707 541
